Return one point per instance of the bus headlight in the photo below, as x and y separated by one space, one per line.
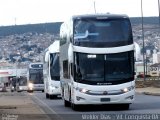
54 87
127 89
30 85
83 90
20 88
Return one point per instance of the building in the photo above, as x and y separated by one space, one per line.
155 69
137 52
8 71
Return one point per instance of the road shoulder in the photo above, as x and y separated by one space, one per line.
155 91
21 105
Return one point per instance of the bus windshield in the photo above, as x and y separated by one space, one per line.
22 81
36 76
102 32
104 69
54 66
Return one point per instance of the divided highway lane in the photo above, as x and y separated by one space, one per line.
144 104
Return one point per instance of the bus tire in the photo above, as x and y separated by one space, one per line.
51 96
74 106
47 95
30 91
66 103
125 106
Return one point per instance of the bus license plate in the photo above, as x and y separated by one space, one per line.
105 99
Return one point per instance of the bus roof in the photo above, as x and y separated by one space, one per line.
54 47
100 16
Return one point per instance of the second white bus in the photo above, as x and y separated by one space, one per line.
51 71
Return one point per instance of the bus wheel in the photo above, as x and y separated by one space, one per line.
66 103
30 91
51 97
125 106
74 107
47 95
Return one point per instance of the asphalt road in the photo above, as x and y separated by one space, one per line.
145 106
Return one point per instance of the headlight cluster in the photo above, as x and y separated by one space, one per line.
30 85
54 87
82 90
127 89
86 91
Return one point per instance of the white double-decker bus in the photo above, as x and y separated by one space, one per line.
51 71
35 77
97 60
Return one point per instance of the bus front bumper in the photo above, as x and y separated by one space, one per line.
36 88
125 98
54 90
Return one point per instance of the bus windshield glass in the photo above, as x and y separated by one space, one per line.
36 76
54 66
104 69
22 81
93 32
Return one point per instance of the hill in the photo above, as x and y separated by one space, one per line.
54 28
146 20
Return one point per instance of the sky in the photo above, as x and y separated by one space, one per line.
43 11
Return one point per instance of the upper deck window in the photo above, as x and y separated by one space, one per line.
93 32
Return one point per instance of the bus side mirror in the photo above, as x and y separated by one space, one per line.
71 39
47 57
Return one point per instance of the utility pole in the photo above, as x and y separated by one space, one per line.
15 20
94 7
144 71
159 13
